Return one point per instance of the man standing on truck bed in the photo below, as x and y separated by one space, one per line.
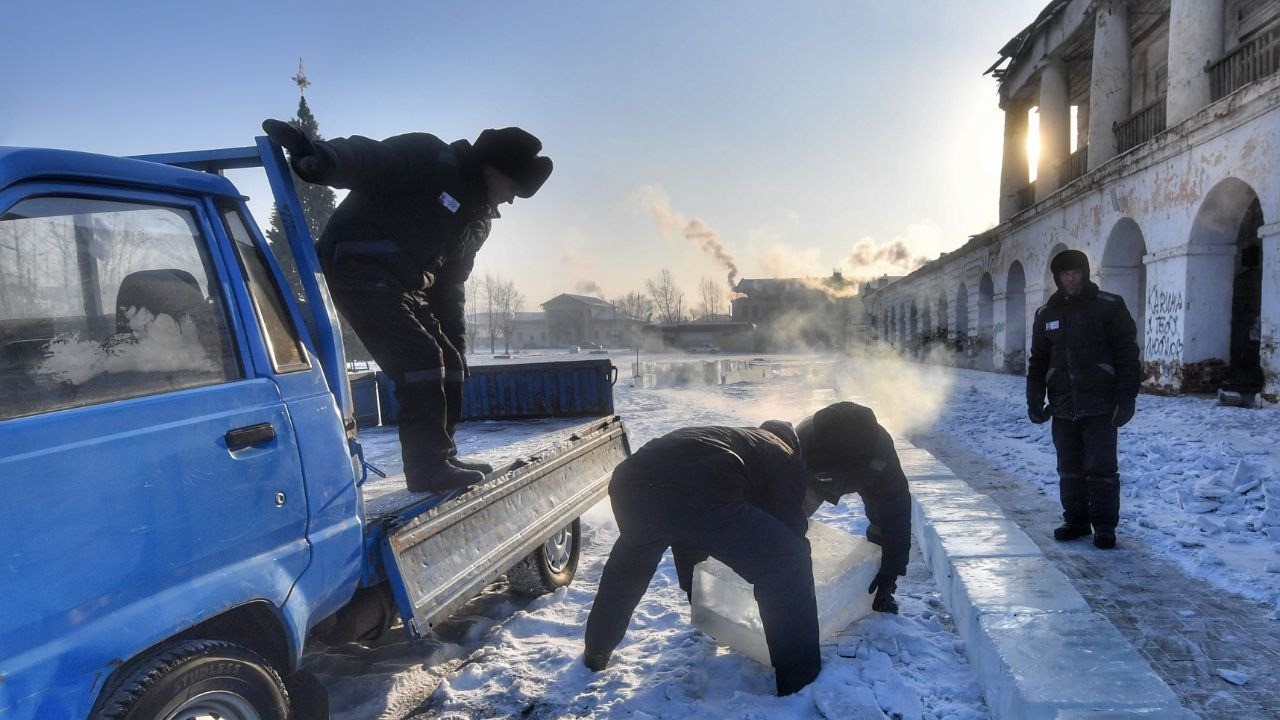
396 254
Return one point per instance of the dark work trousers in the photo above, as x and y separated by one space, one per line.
397 327
752 542
1088 483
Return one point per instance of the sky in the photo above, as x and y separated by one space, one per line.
792 138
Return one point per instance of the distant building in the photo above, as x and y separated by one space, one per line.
587 321
799 314
1170 185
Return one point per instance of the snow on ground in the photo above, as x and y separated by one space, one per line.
504 656
1201 486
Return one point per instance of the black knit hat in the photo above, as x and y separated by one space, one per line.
514 153
844 435
1070 260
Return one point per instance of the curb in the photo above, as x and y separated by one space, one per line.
1037 649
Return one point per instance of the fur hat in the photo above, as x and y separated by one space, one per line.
1070 260
514 153
844 434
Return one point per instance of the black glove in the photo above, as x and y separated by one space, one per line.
1038 414
302 152
1124 412
884 585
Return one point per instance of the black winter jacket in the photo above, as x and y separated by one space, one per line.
725 464
877 478
1084 352
426 197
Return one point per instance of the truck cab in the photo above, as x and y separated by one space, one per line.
179 461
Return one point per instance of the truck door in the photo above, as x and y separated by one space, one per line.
149 472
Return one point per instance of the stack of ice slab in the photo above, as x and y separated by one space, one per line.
1038 650
843 566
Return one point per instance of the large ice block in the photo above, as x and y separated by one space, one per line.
843 567
982 586
934 504
1033 667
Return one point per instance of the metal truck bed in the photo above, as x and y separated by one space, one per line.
439 552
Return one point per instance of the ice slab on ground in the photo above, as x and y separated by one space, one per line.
843 566
982 586
945 505
1134 714
921 463
938 484
1033 667
947 542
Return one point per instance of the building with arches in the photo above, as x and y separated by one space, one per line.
1170 183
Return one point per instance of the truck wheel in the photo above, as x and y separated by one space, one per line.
198 679
551 566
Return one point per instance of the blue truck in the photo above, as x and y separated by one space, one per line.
182 503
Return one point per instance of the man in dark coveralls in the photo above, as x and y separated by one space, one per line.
1084 353
848 451
736 494
396 254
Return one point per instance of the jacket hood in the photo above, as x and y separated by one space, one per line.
1069 260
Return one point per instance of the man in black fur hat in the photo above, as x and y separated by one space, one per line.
1084 353
396 254
847 451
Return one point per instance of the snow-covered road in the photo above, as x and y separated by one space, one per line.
1202 496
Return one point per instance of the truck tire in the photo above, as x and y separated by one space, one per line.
198 679
551 566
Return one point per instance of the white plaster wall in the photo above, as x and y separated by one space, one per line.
1163 188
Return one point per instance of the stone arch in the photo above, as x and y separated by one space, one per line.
1122 272
913 327
986 323
926 323
962 319
1222 226
1015 319
944 315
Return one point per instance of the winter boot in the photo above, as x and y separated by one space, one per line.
1071 531
1104 538
424 442
453 408
1104 501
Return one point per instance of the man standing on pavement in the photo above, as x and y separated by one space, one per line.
848 451
1084 353
735 494
397 253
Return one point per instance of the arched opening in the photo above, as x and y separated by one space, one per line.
943 322
1015 320
1226 224
913 329
1244 372
926 327
962 324
984 358
1122 271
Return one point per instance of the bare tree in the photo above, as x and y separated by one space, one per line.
472 292
635 305
508 303
491 289
667 298
712 293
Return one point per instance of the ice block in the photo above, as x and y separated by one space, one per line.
843 566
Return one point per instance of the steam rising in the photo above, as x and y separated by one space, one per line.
868 260
671 223
589 287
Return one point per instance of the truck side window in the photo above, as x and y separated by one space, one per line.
104 300
278 330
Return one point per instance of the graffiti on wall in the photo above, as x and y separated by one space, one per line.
1164 325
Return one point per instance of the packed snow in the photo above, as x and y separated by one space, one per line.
1199 487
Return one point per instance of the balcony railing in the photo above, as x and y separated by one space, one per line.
1026 196
1076 164
1141 126
1252 61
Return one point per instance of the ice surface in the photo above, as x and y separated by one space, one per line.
1031 667
980 586
960 502
921 463
1127 714
843 567
953 540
